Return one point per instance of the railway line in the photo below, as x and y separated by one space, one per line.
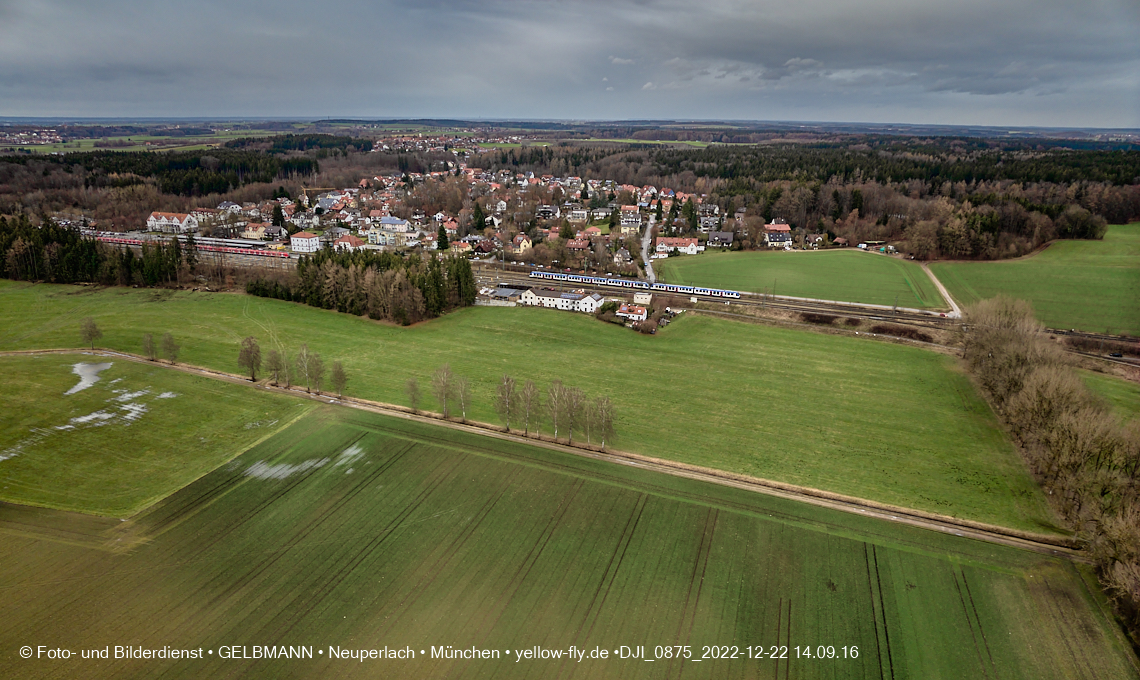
487 277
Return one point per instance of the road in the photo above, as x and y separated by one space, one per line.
957 313
646 241
1056 546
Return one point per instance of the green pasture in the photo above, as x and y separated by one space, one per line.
357 531
892 423
108 449
1122 395
842 275
1087 285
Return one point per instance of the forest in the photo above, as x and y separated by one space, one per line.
381 285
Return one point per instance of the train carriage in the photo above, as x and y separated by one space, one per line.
631 283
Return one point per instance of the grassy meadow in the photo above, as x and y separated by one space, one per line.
1088 285
354 530
891 423
107 449
1122 395
843 275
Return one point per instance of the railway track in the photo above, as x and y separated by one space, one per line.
518 279
519 276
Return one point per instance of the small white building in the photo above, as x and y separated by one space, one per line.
632 312
568 301
304 242
171 223
689 246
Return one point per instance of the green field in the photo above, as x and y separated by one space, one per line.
1122 395
891 423
352 530
843 275
1088 285
106 449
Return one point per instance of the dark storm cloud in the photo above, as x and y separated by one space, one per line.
1018 62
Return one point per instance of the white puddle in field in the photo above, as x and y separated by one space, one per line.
349 455
263 470
124 395
88 375
123 408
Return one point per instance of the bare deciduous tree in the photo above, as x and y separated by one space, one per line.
303 358
89 332
506 400
463 394
530 402
249 357
274 366
604 412
575 404
413 389
441 387
149 350
169 348
556 405
339 379
316 371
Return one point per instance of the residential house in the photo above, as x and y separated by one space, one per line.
778 239
254 230
579 215
548 212
576 301
520 244
171 223
621 257
578 245
667 244
304 242
632 312
349 243
720 239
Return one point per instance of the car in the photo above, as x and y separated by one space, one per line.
1117 355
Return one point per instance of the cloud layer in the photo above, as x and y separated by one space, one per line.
1018 62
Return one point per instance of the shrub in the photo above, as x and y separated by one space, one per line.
823 319
902 332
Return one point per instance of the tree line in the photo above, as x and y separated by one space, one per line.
380 285
565 409
307 367
1086 459
184 173
59 254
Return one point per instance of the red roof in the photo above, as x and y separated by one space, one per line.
350 240
305 234
676 241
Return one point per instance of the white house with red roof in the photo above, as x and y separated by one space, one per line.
667 244
348 242
171 223
304 242
632 312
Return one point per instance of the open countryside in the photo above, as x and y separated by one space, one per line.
1088 285
349 528
840 275
803 409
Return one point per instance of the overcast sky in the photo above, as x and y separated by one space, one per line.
969 62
